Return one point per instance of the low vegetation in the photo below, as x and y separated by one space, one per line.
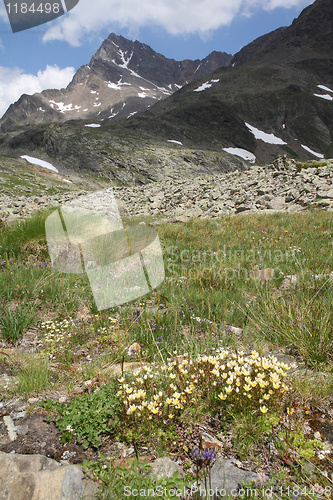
212 344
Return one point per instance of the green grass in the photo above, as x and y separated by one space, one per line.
14 322
209 266
34 376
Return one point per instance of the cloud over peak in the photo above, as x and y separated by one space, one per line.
175 16
14 83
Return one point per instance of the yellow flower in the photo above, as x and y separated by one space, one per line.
229 389
222 396
266 396
172 375
263 409
170 415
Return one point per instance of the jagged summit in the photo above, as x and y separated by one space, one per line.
122 78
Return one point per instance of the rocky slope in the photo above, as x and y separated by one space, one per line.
121 79
282 186
127 159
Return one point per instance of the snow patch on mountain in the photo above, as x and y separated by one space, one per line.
205 86
243 153
93 125
318 155
324 96
41 163
175 142
323 87
263 136
64 107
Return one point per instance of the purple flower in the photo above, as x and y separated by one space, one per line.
136 318
39 265
3 263
161 307
154 328
209 454
160 338
200 455
197 454
181 313
46 264
250 346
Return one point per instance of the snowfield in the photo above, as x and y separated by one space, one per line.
41 163
263 136
243 153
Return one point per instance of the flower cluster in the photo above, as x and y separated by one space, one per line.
55 333
236 378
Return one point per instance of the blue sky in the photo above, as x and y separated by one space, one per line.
47 56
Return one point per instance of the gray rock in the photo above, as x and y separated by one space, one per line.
226 476
165 467
209 441
233 329
11 429
35 477
277 203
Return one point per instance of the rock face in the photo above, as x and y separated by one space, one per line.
36 477
121 79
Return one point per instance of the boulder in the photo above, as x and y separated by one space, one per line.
35 477
165 467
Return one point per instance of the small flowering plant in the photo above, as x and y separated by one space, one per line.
239 380
56 333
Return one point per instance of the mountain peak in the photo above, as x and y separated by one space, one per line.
310 36
122 78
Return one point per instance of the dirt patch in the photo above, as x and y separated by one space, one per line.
36 435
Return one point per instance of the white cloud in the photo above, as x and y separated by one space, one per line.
175 16
14 83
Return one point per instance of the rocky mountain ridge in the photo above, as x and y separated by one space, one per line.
281 85
122 78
